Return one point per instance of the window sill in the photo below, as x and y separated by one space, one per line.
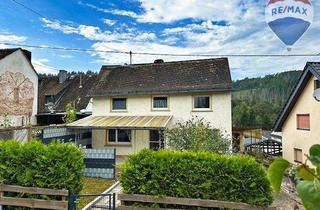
301 129
159 110
202 110
119 144
119 111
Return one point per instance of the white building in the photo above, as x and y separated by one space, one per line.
18 87
133 104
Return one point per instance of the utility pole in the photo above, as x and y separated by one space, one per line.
130 57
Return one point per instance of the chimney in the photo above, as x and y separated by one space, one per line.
158 61
63 76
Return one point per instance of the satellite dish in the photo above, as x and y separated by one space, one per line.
316 94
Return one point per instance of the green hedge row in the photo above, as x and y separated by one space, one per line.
56 165
196 175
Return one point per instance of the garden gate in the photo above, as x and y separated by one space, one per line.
88 202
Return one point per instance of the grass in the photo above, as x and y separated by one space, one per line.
93 186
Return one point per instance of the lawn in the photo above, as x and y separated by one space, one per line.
93 186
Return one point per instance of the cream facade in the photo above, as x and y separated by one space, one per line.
295 139
18 89
180 107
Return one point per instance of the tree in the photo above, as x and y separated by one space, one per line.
197 135
309 187
71 114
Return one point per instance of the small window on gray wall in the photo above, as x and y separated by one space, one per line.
119 103
202 102
160 102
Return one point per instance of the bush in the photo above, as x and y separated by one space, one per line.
55 166
197 135
201 175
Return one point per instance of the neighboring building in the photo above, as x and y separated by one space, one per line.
299 119
18 87
55 92
132 105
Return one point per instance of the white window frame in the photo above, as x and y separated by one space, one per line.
116 137
159 109
118 110
201 109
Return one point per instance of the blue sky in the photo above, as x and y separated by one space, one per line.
157 26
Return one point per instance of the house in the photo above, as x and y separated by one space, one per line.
299 119
56 91
134 104
18 87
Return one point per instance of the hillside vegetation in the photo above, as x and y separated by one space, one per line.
256 102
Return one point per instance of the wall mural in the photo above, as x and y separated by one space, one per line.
16 94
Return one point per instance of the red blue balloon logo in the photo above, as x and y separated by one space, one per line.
289 19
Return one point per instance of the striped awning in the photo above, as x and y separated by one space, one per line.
132 122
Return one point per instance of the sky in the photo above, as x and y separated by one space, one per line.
153 26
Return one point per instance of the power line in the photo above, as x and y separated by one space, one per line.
28 8
160 54
40 65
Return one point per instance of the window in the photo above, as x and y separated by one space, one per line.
316 84
160 102
303 121
201 102
119 104
297 155
119 136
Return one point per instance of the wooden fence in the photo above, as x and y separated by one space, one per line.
8 200
183 202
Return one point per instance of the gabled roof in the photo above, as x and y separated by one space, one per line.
311 68
27 54
168 77
66 92
5 52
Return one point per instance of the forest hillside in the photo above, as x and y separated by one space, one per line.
256 102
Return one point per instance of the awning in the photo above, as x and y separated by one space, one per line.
132 122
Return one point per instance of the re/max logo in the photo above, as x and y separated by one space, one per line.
290 9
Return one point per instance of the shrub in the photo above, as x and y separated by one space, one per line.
71 114
197 135
196 175
55 166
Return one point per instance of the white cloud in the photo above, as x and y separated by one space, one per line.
159 11
59 26
12 38
111 11
109 22
42 68
96 34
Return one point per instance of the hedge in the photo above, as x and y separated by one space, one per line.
33 164
201 175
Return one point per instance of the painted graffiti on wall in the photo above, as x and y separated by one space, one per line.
16 94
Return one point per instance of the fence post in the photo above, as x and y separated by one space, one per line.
114 201
72 202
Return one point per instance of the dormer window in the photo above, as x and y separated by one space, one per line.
49 99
